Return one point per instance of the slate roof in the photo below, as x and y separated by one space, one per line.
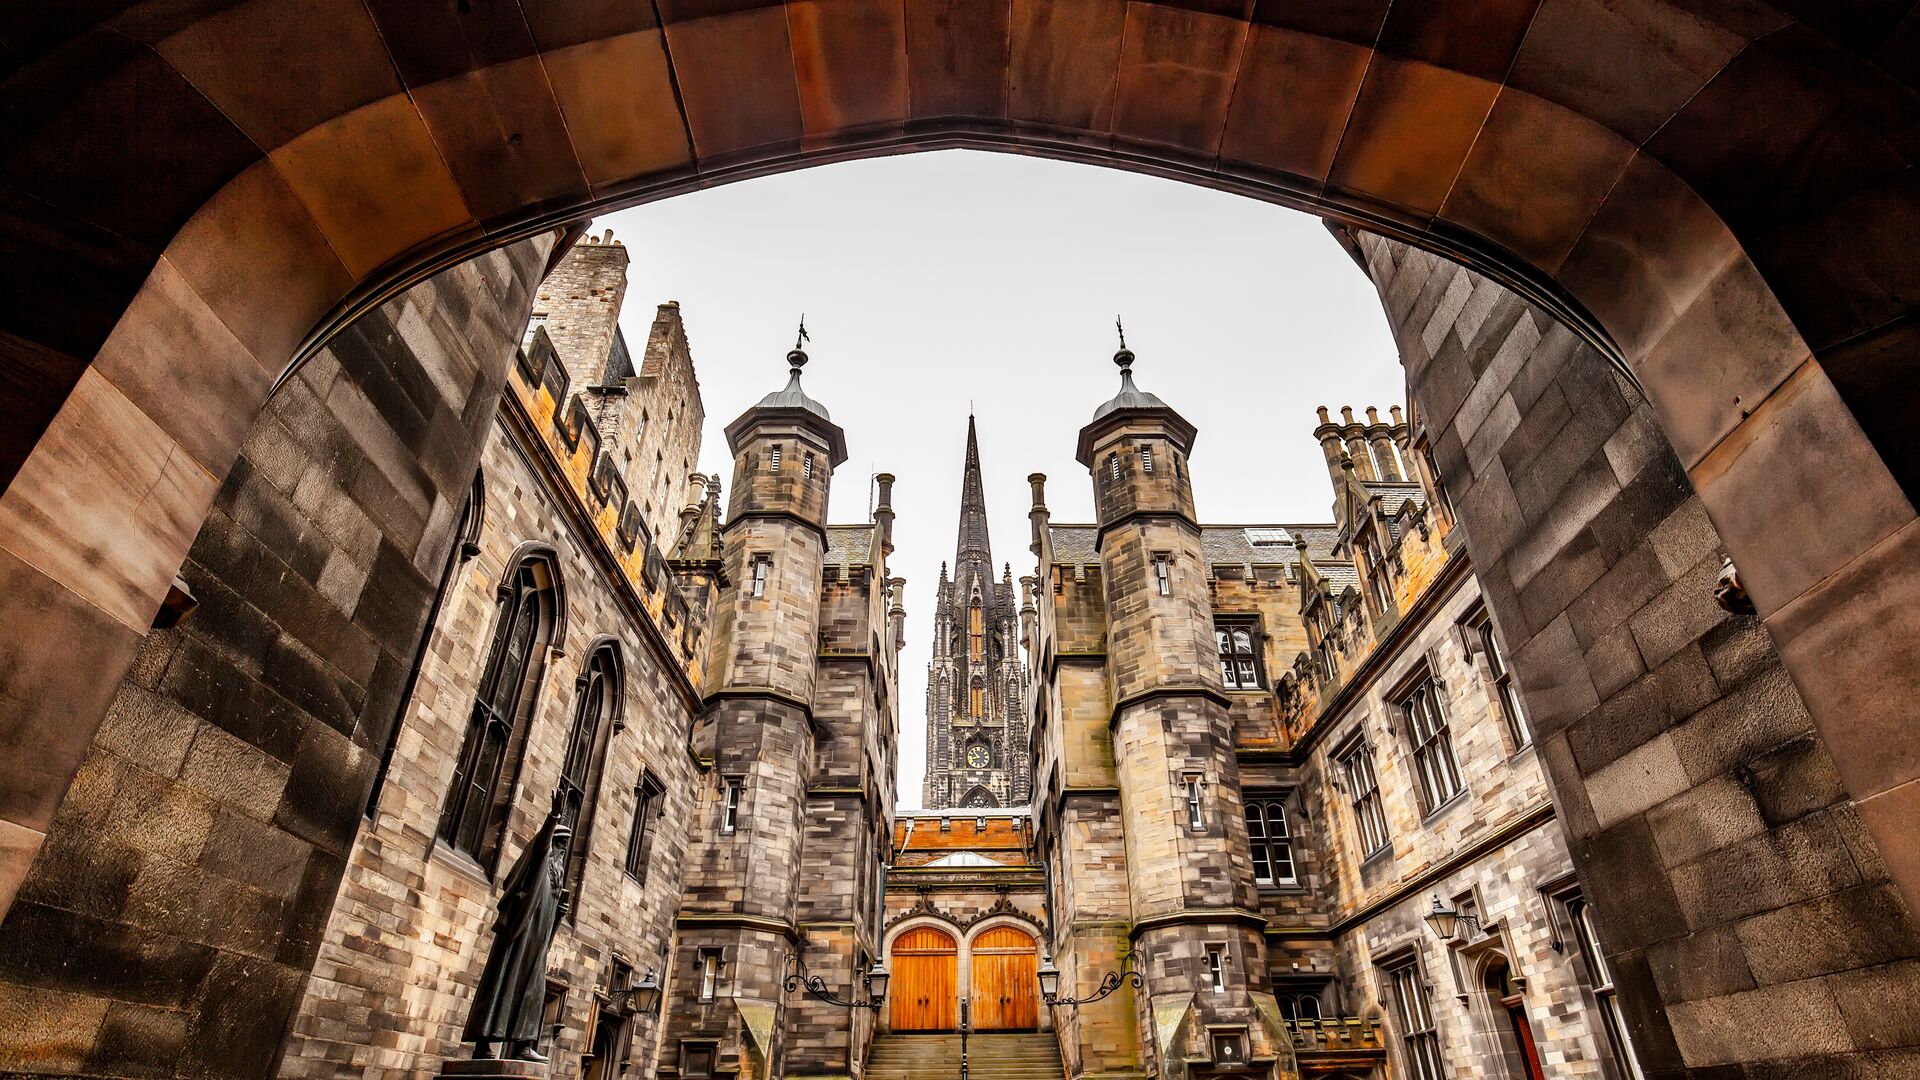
849 545
1227 545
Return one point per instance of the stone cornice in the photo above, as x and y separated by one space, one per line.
1200 917
533 453
1101 530
697 920
1199 690
779 515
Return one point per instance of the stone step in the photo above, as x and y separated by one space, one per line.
1024 1056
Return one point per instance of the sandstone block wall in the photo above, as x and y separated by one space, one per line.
1749 920
169 924
410 929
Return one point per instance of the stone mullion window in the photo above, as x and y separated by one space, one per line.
1432 741
1600 981
476 798
593 722
1503 687
1239 647
1270 842
646 800
1414 1017
1369 816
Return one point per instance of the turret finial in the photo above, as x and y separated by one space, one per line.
1124 357
797 356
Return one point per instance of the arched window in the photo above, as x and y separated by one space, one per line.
976 634
496 729
979 798
595 711
977 698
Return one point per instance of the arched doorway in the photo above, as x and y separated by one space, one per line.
926 978
1509 1032
1005 981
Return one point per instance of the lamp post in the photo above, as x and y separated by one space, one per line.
1445 921
1050 983
876 980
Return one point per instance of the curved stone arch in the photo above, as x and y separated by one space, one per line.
473 522
616 652
545 553
1015 918
978 791
917 918
1660 217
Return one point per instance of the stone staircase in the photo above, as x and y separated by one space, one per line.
989 1057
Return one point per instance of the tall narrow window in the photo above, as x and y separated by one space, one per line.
761 565
1217 968
1113 466
1432 741
1323 648
977 699
477 802
646 808
1503 689
1146 459
1601 979
594 709
1373 565
730 806
1239 655
1196 818
776 457
976 633
1163 574
709 974
1439 482
1364 789
1270 841
806 468
1417 1033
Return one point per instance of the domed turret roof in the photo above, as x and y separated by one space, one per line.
791 396
1130 396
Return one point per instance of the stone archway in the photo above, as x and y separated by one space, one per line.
1696 206
1720 213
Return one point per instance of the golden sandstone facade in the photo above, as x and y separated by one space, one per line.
713 694
1261 752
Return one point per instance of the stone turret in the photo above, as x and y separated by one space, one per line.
1196 928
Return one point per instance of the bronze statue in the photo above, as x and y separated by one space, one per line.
509 1000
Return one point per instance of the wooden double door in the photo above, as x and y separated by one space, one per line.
925 991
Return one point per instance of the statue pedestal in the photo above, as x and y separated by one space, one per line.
494 1069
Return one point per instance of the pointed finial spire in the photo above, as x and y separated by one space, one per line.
797 356
1124 357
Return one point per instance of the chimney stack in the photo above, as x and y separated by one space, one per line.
883 512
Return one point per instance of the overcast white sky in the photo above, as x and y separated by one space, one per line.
937 282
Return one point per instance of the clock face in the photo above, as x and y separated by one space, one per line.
977 756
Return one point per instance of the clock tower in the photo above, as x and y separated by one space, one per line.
976 728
